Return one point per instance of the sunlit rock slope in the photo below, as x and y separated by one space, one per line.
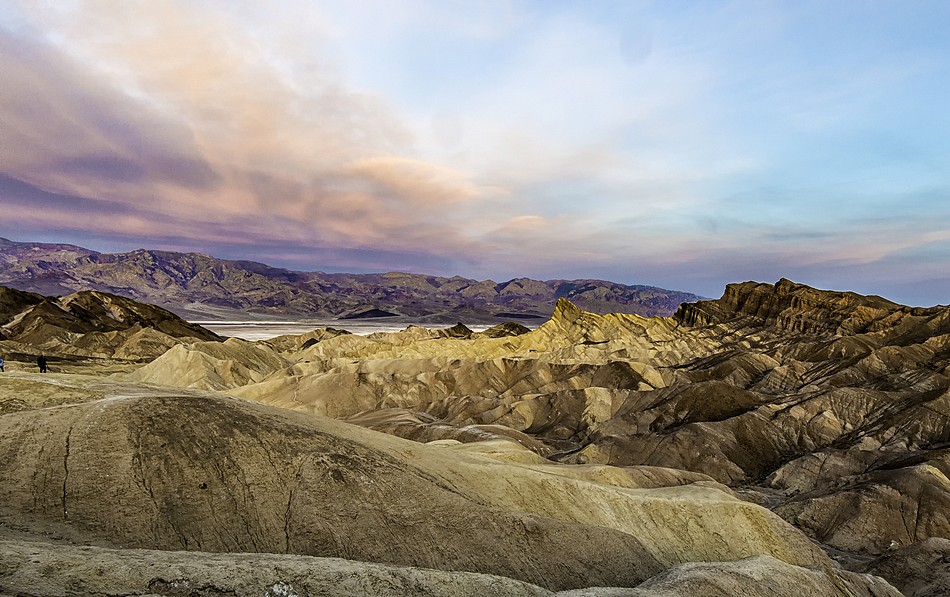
726 450
829 407
127 468
90 324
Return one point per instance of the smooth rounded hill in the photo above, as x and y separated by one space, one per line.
202 472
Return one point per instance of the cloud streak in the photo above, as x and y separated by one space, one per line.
189 126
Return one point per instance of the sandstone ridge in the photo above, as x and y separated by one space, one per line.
90 324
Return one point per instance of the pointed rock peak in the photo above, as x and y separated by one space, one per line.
785 286
459 330
566 311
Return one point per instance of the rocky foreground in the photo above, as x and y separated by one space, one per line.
778 441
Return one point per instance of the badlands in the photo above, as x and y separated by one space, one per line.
780 440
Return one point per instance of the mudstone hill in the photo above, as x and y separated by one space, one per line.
781 440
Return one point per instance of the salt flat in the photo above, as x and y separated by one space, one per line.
265 330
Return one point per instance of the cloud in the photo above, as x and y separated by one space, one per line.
415 182
645 142
170 111
62 129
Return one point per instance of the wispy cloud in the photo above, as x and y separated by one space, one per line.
188 121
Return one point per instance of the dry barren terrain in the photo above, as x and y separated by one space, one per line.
778 441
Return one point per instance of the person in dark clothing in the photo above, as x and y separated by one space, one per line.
1 364
41 361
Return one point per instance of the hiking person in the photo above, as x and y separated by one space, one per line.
41 362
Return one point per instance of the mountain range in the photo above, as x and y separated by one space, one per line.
199 286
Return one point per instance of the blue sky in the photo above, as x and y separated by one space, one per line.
680 144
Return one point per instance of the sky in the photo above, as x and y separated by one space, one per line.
681 144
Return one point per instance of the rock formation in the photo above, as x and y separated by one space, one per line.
90 324
921 569
726 450
191 470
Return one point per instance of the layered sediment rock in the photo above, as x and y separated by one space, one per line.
203 472
833 401
715 449
90 324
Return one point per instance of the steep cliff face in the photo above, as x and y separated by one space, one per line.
796 308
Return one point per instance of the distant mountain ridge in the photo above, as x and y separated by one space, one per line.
200 286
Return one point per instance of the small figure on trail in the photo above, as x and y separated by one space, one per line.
1 364
41 362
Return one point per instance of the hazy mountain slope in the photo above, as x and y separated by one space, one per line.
205 286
